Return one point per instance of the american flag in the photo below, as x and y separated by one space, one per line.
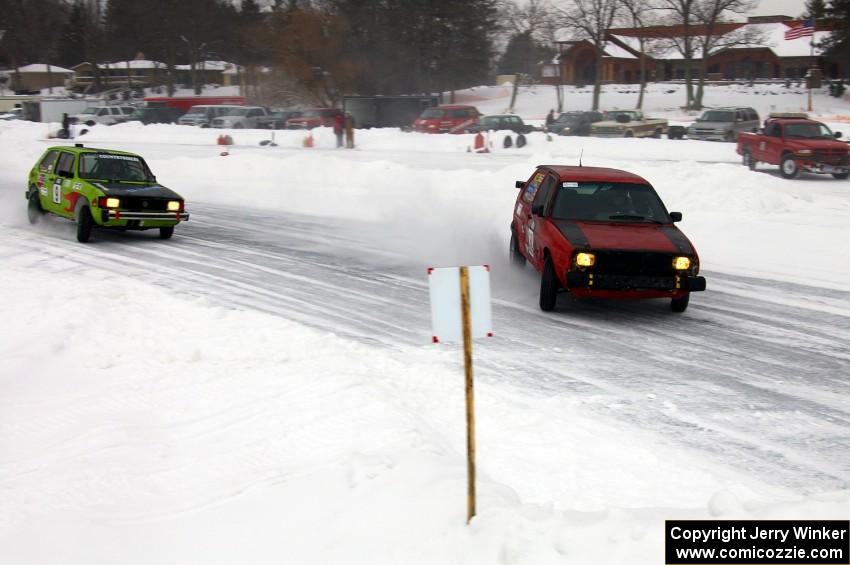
802 30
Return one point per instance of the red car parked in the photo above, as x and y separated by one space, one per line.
313 118
446 119
796 144
596 232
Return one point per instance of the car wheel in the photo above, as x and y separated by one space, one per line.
90 123
34 209
548 286
730 137
516 256
788 168
657 134
680 304
629 134
166 233
748 161
237 126
84 224
841 176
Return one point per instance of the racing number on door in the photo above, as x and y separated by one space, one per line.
529 238
57 192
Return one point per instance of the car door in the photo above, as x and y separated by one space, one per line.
770 148
522 209
61 183
46 175
533 245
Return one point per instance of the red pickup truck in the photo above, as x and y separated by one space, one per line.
596 232
796 144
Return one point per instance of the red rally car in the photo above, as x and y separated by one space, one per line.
597 232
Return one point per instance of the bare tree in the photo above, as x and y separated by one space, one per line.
639 14
680 22
591 19
713 37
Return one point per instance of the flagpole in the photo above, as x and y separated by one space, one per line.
811 59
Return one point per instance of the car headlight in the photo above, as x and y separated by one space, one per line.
173 206
720 130
585 259
112 203
804 152
681 263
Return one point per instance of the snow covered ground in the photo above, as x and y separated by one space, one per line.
261 388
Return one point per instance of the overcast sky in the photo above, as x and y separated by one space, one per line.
785 7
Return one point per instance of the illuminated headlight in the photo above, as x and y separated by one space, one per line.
112 203
585 259
173 206
804 152
681 263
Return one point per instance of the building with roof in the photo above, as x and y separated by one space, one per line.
38 76
755 49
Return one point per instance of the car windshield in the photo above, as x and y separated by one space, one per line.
237 112
196 111
613 115
718 116
432 113
311 114
568 118
112 167
808 130
90 111
609 201
490 122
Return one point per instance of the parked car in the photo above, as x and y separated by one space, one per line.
277 119
240 118
575 123
501 122
724 124
13 114
628 123
202 115
313 118
447 119
597 232
106 115
101 188
796 144
154 115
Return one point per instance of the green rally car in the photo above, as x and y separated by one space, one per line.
104 188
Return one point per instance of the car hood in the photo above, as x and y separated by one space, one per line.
140 190
624 236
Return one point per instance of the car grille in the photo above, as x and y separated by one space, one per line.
836 157
137 204
634 263
705 132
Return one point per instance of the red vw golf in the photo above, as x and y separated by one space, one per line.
597 232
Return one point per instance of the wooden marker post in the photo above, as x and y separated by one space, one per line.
470 406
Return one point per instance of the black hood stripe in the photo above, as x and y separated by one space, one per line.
573 232
678 239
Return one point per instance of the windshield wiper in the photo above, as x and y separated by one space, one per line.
634 217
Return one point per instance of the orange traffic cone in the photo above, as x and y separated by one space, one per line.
308 141
479 144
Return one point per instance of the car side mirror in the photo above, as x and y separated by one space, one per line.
520 184
537 210
676 217
837 135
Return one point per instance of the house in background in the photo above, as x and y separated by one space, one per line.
769 56
38 76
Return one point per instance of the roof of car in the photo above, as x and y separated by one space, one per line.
454 106
77 149
501 116
578 173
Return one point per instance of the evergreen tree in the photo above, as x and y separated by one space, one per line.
72 43
838 42
522 55
816 8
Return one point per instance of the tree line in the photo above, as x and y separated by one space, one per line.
320 49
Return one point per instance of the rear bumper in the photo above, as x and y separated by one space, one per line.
589 281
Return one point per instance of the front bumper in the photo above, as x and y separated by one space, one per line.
600 281
822 168
119 215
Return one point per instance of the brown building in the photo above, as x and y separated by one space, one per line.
765 54
38 76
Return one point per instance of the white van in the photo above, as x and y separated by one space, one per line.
106 115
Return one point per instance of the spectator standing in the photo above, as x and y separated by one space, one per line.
339 122
550 117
